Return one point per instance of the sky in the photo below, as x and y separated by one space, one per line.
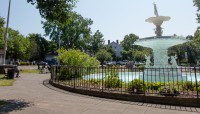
114 18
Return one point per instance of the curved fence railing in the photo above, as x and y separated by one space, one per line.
183 82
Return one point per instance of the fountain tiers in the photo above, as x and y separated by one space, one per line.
160 46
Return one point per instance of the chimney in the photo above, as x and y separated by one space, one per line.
117 41
108 41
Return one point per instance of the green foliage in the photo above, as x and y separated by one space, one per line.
95 81
96 42
67 73
24 63
188 85
6 82
18 45
169 91
39 47
154 85
29 71
73 35
109 49
58 11
76 58
128 41
1 32
137 86
102 55
197 4
112 79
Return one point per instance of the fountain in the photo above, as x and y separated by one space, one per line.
160 70
160 44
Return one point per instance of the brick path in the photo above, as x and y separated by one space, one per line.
31 94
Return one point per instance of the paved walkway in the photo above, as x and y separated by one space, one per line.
31 94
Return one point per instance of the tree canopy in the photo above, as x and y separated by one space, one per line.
102 55
58 11
72 35
39 47
197 4
128 41
2 22
96 42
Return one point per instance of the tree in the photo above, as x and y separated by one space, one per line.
97 41
72 35
128 41
18 45
110 50
102 55
58 11
2 22
39 47
197 4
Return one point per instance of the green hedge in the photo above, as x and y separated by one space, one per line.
24 63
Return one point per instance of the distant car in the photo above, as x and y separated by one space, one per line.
124 62
111 63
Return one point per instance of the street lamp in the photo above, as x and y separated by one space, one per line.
6 34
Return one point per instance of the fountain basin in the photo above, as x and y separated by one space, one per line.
163 42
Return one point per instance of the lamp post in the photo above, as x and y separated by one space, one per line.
6 34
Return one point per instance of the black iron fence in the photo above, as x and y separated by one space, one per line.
178 82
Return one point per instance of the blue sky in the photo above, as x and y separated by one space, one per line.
114 18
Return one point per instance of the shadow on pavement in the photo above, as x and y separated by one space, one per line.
13 105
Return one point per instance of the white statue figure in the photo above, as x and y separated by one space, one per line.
147 61
173 61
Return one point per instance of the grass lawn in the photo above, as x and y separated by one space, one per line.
29 71
6 82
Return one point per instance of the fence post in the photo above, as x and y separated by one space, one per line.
144 89
75 71
102 78
196 82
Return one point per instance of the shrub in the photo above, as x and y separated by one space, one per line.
24 63
74 59
188 85
67 73
94 81
154 86
137 86
167 91
197 89
112 79
77 58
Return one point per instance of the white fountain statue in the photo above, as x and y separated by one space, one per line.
160 44
157 21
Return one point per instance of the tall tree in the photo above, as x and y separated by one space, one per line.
197 4
58 11
72 35
2 22
128 41
17 45
102 55
41 46
97 41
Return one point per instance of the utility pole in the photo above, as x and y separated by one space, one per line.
6 34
